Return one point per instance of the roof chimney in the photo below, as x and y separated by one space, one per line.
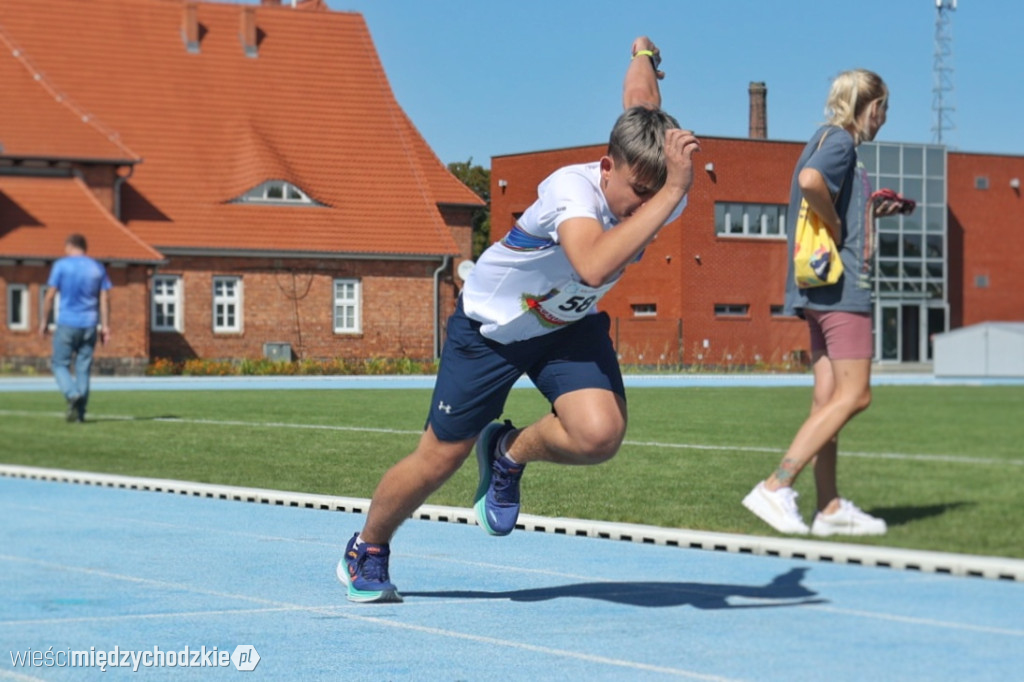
247 32
758 111
190 27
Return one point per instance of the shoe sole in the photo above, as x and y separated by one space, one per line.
762 509
845 530
365 596
483 462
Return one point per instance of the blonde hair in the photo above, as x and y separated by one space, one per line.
852 91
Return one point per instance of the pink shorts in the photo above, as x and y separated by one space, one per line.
840 335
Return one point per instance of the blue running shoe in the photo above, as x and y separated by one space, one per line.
364 571
497 496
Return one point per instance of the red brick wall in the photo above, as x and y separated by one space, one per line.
688 268
284 301
129 301
460 222
729 270
987 227
686 288
129 314
100 180
291 301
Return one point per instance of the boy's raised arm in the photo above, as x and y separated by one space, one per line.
640 88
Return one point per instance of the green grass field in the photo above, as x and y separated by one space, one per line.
943 465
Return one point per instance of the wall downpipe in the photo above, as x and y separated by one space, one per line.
437 305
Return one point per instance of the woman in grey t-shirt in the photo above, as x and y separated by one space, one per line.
836 187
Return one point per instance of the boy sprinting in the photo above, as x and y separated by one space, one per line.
530 307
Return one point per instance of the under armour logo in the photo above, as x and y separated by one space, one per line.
447 409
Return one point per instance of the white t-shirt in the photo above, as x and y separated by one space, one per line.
524 286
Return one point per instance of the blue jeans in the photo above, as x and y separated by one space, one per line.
81 342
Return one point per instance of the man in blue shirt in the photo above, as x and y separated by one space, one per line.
84 302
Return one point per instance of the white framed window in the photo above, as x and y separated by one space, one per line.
51 320
167 308
750 220
731 310
277 192
17 306
227 304
644 309
347 306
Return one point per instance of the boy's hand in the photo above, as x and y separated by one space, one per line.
680 145
645 43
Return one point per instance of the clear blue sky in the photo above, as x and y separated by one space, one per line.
481 78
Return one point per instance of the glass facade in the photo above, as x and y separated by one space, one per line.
911 263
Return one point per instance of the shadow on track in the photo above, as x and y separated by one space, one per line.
784 590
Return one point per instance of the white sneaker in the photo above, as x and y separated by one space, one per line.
847 520
778 509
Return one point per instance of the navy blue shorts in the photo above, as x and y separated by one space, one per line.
476 374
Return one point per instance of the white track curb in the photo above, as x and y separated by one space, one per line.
811 550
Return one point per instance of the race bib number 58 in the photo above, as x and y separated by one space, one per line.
561 306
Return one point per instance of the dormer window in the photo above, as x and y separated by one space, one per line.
276 192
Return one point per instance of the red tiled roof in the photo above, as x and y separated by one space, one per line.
40 123
438 175
37 214
314 108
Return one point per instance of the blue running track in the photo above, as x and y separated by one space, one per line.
94 568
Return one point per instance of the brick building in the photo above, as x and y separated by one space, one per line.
986 231
709 289
254 188
244 172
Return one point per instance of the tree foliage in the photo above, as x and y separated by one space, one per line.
478 179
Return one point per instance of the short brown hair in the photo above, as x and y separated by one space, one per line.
638 140
76 240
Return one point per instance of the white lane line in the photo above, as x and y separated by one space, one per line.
20 622
347 613
922 457
695 588
11 675
918 621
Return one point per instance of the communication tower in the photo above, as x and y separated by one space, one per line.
942 69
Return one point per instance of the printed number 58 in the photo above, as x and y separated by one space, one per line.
578 304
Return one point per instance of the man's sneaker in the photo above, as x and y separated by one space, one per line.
364 571
776 508
497 496
847 520
74 411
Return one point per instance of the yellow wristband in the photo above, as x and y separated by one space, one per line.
645 53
